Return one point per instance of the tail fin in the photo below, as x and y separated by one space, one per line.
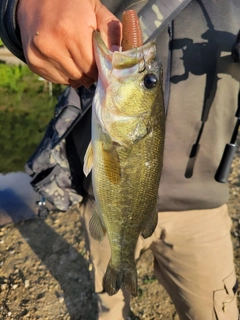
116 278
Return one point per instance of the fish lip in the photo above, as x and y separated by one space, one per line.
100 45
135 52
108 61
147 45
98 39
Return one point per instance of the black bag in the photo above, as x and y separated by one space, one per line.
56 167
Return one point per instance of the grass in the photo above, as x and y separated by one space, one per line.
25 107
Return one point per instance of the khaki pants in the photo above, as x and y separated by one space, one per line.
193 260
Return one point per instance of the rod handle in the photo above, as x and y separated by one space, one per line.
225 164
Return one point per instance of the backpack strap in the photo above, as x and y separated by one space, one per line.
169 67
158 14
154 17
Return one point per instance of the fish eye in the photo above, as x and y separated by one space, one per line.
150 81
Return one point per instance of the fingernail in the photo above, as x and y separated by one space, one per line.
114 47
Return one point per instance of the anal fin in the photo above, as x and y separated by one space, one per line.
96 227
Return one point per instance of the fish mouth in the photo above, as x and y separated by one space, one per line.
124 59
98 40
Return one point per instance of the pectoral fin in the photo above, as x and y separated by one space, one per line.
88 160
150 225
96 227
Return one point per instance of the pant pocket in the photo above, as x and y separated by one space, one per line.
225 305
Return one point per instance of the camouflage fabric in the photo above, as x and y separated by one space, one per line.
49 166
56 187
155 15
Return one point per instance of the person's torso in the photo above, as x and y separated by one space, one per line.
204 87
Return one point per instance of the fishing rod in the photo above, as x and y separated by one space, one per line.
223 170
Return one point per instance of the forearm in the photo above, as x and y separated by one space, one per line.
9 31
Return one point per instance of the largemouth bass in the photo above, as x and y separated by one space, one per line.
125 154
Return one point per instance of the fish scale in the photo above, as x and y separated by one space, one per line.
125 155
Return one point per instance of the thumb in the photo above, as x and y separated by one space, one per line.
110 28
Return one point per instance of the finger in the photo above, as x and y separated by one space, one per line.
83 57
110 27
86 82
50 74
75 57
57 68
45 50
56 76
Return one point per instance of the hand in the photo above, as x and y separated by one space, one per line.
57 38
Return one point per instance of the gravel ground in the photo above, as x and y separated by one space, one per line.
44 269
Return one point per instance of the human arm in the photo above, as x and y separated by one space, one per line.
56 37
